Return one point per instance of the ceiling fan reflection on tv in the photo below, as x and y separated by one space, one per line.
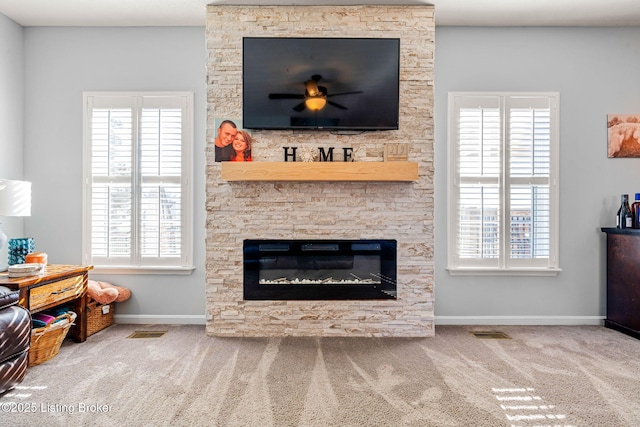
315 96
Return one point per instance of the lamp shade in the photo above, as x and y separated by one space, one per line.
15 198
315 103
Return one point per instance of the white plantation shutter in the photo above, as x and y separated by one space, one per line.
503 182
161 171
137 191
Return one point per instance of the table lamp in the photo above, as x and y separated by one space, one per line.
15 200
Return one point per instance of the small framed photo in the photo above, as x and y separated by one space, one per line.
232 143
396 152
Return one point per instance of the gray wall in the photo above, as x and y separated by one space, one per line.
11 112
60 64
594 69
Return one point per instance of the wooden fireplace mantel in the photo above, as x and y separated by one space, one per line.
320 171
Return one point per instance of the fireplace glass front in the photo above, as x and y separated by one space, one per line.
319 269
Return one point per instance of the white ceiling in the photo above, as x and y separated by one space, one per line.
448 12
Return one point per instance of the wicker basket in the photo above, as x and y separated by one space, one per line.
46 341
99 316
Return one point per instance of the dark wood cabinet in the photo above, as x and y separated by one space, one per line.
623 280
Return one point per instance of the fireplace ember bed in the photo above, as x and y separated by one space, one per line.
319 269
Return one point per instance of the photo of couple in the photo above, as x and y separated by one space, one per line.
232 144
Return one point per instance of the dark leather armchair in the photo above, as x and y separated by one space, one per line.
15 337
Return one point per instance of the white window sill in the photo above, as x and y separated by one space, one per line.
478 271
107 269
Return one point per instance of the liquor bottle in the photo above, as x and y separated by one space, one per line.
624 217
635 211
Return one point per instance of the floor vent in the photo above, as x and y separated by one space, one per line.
147 334
491 335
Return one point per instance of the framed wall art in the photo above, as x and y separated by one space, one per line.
232 143
623 135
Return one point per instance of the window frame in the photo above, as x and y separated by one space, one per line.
108 99
504 264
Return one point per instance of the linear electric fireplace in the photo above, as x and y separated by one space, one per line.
319 269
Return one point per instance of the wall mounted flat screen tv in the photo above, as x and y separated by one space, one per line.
320 83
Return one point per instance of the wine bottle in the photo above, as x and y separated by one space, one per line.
635 211
624 217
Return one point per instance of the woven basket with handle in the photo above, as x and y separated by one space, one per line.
46 341
99 316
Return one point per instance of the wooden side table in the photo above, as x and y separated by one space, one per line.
60 284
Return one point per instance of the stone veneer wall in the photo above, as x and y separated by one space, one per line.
312 210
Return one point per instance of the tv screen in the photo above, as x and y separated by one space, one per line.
320 83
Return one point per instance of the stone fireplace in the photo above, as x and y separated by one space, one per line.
322 211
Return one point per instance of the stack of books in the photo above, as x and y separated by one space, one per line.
24 270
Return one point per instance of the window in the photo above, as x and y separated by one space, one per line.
137 181
503 183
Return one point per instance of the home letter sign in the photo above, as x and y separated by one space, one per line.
324 155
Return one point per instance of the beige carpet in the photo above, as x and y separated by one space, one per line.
541 376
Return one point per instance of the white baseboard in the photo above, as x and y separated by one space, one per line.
145 319
520 320
160 319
